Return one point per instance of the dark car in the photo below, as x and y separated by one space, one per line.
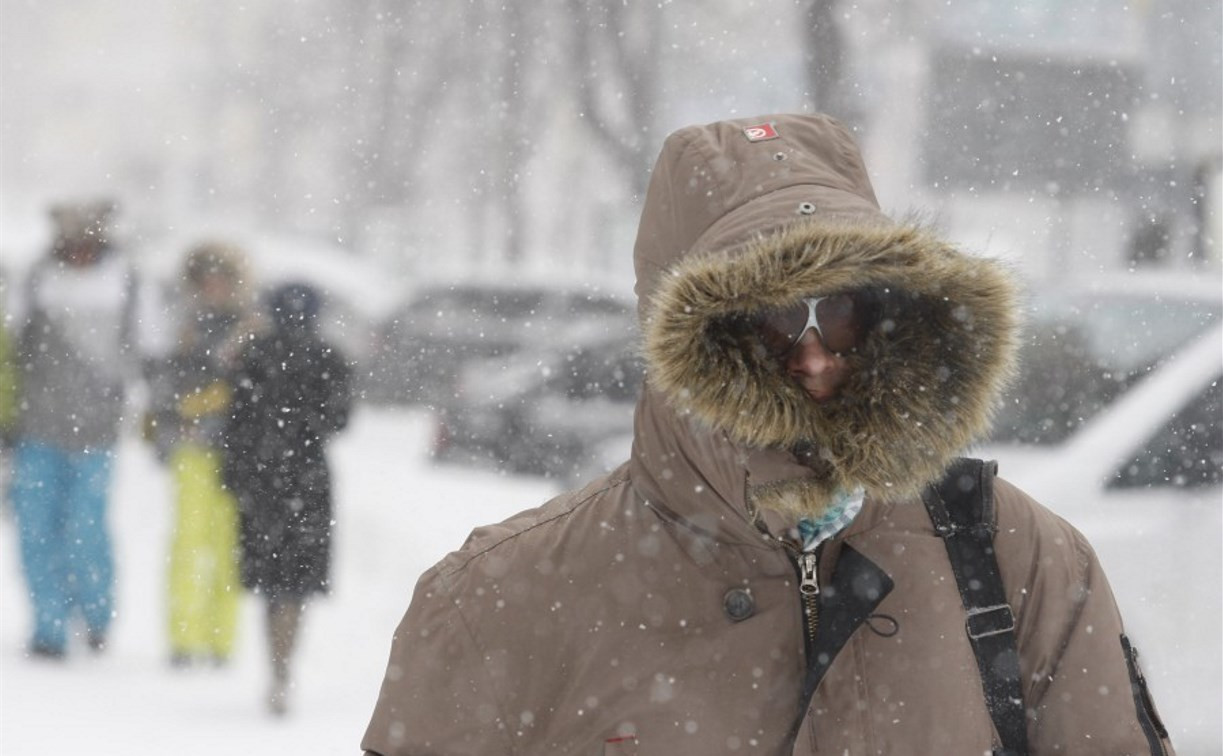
543 412
424 346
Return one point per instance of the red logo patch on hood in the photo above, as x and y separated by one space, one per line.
760 133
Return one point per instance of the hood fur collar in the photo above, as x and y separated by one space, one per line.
922 388
734 224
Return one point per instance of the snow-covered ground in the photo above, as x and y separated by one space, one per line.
396 515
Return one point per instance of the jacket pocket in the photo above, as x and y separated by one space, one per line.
620 746
1148 717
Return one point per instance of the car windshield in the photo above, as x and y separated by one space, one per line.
1081 353
607 371
505 304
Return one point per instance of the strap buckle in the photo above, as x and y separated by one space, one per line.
983 622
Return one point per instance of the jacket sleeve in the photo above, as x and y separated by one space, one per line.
1083 690
436 697
9 386
338 393
240 462
162 423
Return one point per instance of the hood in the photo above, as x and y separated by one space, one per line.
750 214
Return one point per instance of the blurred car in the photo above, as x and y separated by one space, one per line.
1116 424
425 344
543 411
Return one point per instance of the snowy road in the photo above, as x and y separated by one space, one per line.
396 515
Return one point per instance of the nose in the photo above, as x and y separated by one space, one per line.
820 372
810 357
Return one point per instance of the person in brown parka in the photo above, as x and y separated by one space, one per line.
761 575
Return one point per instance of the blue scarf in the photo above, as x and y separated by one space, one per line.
844 508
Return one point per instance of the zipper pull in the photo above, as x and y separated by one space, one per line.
810 584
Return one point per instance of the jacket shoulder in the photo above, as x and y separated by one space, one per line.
1033 541
472 639
1079 682
1023 520
533 529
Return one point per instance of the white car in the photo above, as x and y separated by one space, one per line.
1140 472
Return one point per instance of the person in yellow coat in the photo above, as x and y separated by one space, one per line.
191 394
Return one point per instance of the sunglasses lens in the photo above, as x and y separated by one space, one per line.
843 322
780 328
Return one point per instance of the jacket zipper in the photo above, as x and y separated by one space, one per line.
809 590
807 564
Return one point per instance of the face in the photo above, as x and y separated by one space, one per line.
79 253
217 289
819 371
811 338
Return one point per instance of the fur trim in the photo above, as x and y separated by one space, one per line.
923 386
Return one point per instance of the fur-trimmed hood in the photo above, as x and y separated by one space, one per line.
750 214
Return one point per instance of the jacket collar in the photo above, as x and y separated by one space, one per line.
700 479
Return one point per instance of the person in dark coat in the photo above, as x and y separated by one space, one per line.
292 395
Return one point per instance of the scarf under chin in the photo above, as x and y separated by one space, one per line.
841 512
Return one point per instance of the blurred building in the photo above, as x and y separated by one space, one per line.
1071 135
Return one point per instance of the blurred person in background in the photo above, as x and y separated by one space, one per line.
74 355
778 567
190 395
292 395
8 395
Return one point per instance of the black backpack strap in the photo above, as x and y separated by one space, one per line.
961 507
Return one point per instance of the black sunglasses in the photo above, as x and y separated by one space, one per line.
842 321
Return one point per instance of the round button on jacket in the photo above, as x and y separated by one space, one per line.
739 604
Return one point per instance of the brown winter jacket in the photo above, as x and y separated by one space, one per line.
657 610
